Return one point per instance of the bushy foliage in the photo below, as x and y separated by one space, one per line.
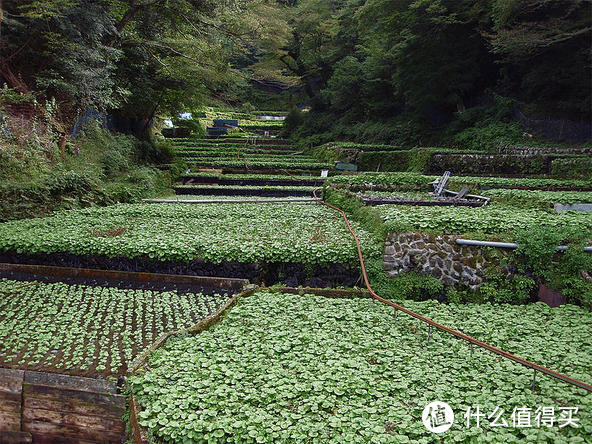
559 270
307 368
416 286
293 120
137 57
489 136
499 289
98 168
449 67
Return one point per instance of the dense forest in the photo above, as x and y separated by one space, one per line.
393 71
382 70
295 221
136 57
65 64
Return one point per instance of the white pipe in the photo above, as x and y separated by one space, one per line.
477 243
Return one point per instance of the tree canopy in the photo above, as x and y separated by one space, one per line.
358 60
437 57
135 56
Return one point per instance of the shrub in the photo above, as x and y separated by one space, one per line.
293 120
577 167
151 152
417 286
500 290
562 271
115 161
192 125
489 136
69 182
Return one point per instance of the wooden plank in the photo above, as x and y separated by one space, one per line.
59 439
108 426
10 405
326 292
139 435
424 203
10 421
9 396
69 431
11 383
118 276
11 386
15 437
8 374
66 405
74 382
105 400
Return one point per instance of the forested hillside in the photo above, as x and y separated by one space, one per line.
137 57
456 71
73 71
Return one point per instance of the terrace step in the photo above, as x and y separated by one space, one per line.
189 180
237 191
253 150
225 201
15 437
269 170
257 141
372 200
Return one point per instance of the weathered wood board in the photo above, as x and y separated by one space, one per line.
49 408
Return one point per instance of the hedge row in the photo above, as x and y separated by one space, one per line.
429 161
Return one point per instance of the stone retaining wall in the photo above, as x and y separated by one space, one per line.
439 256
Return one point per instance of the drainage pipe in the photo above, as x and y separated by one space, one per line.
477 243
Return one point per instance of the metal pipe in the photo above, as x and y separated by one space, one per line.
473 196
477 243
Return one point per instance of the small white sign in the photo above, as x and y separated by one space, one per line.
325 173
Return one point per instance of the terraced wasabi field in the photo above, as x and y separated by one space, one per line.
89 330
200 153
514 206
304 368
293 365
490 220
309 234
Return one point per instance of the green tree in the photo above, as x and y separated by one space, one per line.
438 54
544 50
138 56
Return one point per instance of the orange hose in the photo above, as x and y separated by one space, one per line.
456 333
